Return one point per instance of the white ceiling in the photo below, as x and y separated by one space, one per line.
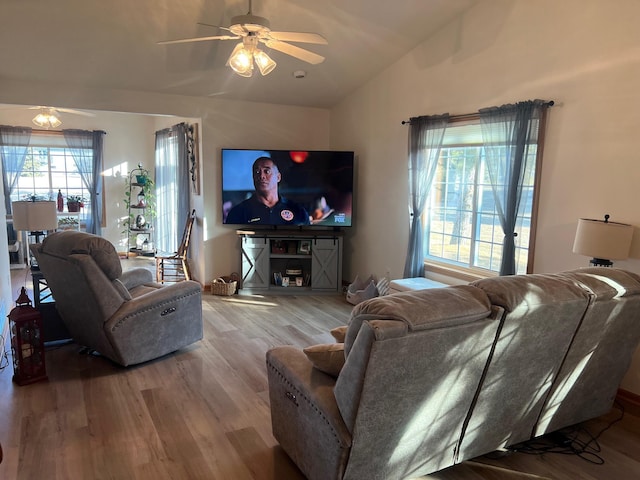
112 44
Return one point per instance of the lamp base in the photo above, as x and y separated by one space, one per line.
601 262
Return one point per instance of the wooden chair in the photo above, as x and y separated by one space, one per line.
175 267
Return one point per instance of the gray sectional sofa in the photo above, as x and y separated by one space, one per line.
431 378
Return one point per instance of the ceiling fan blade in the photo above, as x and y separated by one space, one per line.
64 110
198 39
300 37
296 52
214 26
75 112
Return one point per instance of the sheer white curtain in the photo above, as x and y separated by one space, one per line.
172 186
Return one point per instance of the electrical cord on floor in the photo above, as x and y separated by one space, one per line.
576 440
4 354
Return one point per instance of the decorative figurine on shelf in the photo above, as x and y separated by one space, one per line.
141 199
60 201
140 221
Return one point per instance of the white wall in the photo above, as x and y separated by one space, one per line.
583 54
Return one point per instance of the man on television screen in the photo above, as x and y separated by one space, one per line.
266 206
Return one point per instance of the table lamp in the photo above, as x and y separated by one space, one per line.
603 240
34 217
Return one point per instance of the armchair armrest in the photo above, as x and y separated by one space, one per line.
156 323
305 416
135 277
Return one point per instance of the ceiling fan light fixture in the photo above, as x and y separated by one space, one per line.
47 119
253 30
265 63
241 61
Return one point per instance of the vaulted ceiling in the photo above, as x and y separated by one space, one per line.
112 44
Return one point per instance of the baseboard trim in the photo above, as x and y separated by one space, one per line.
628 397
631 401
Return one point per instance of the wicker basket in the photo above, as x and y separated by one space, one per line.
221 287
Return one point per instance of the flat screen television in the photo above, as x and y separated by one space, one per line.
315 188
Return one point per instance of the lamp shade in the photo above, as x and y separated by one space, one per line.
241 61
602 239
265 62
31 216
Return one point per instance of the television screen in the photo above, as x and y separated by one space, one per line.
287 187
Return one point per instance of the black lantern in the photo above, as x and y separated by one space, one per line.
27 343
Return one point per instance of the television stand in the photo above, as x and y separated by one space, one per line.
291 262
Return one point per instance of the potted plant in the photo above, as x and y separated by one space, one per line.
68 223
75 203
143 179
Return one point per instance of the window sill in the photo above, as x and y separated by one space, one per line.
453 275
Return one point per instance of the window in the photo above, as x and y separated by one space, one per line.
167 191
172 185
49 166
462 226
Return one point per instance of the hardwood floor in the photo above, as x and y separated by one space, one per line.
203 412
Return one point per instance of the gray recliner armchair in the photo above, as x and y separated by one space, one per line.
124 316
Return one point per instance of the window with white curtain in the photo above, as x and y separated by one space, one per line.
166 191
462 226
49 167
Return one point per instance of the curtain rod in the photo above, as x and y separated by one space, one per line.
462 116
51 132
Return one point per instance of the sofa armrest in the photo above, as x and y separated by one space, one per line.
304 414
135 277
156 323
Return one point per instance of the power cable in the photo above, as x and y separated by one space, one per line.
576 440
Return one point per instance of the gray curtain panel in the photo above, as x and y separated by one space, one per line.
14 142
425 141
90 168
508 132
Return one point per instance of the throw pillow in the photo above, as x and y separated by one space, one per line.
339 333
328 357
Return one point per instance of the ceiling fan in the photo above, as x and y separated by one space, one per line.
49 117
253 30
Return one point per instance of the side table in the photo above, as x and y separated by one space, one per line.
52 325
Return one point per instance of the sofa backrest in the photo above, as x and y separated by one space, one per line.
101 250
600 353
542 314
82 272
414 361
